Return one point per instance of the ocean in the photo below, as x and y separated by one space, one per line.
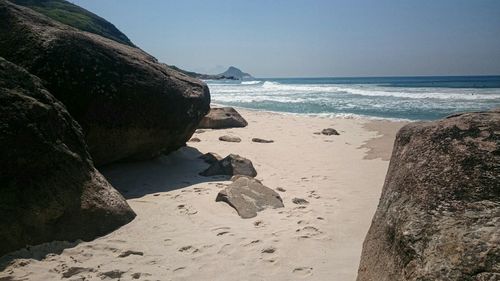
407 98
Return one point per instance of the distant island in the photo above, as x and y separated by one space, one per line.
232 73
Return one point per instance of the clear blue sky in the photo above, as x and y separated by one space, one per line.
307 38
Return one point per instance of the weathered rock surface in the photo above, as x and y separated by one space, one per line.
129 105
439 213
330 132
248 196
229 138
231 165
49 188
259 140
210 157
222 118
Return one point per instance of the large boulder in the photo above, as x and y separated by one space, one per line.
439 213
249 196
231 165
129 105
222 118
49 188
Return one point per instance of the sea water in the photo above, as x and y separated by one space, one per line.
409 98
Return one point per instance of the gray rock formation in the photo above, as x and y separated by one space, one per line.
231 165
49 188
439 213
222 118
227 138
129 105
249 196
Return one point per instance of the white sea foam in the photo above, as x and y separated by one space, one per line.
250 82
351 100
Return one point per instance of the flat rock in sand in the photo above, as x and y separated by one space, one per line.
229 138
259 140
249 196
231 165
222 118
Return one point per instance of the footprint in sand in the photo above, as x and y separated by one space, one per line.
313 194
303 271
225 250
268 250
129 253
179 269
252 243
308 232
185 210
74 270
224 230
112 274
258 224
188 249
200 190
267 254
138 275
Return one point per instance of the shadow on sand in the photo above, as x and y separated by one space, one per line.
177 170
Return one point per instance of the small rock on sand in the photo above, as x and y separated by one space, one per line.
231 165
300 201
194 140
262 140
229 138
330 132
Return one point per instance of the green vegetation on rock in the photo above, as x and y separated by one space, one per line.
77 17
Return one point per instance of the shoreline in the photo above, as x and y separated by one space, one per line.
321 115
181 232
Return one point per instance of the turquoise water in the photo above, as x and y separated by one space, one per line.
411 98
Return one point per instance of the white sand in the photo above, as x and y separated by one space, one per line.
185 235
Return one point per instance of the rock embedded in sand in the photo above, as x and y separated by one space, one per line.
222 118
438 215
129 105
231 165
248 196
229 138
300 201
330 132
194 140
49 187
262 140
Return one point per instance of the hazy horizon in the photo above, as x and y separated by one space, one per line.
314 38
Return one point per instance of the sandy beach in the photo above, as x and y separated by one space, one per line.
181 233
